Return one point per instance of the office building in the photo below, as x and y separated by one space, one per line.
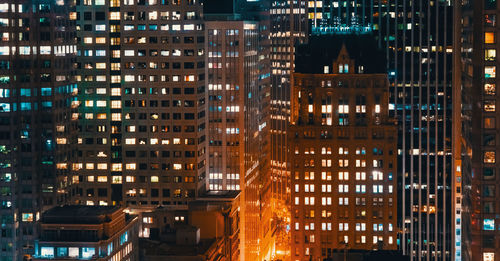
142 125
476 130
237 70
288 27
417 37
37 90
343 147
87 233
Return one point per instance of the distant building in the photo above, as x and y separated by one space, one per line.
342 149
88 233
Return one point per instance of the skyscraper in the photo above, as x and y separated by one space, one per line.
343 151
288 27
238 146
477 131
37 90
417 37
161 89
142 127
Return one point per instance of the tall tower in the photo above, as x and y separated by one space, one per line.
288 27
238 140
417 37
37 90
142 127
475 70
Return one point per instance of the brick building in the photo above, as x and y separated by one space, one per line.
342 149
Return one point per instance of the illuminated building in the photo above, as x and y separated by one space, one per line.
142 117
160 88
417 37
342 150
238 90
88 233
476 130
288 27
37 89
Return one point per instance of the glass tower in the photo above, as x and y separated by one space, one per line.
417 37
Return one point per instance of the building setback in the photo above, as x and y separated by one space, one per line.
342 149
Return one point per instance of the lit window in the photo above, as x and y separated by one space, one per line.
88 252
488 224
489 105
343 108
488 256
490 54
489 72
116 167
27 217
116 116
102 179
47 252
116 104
100 40
489 157
489 37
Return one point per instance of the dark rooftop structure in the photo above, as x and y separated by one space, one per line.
360 255
78 214
218 7
321 50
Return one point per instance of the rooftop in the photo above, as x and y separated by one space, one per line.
78 214
322 50
153 248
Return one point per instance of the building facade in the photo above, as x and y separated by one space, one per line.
88 233
37 101
142 117
211 226
343 158
418 38
288 27
238 131
475 69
